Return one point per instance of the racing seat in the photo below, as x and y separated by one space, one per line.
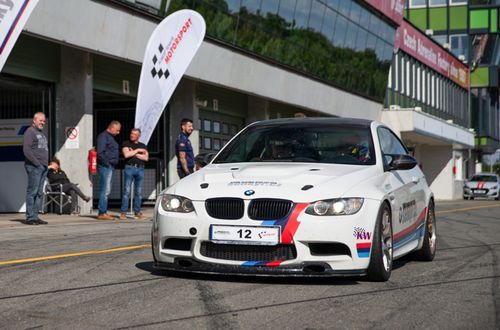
55 199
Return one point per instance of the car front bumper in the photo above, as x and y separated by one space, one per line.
321 246
483 193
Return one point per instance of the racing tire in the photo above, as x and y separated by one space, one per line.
381 258
428 250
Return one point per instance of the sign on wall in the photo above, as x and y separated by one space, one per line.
13 17
72 138
416 44
393 9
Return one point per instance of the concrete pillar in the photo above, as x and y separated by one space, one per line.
437 166
74 106
182 105
258 109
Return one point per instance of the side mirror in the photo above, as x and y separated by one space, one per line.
400 162
202 160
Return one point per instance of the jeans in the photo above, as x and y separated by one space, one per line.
34 192
105 177
136 175
73 190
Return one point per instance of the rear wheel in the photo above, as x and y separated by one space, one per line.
381 255
428 250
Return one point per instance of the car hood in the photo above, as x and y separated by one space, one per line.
480 184
297 182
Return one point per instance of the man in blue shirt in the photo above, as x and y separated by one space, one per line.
184 149
108 154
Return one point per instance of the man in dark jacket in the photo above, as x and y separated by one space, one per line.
108 153
36 154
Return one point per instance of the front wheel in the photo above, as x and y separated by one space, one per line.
428 250
380 266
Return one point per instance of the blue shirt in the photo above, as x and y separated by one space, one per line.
183 144
108 150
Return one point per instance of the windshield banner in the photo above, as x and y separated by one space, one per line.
170 49
13 17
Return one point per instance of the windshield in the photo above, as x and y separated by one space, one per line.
310 143
486 178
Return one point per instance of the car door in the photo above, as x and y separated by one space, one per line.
407 195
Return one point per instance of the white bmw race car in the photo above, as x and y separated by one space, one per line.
483 185
301 196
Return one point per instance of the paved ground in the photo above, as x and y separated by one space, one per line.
106 281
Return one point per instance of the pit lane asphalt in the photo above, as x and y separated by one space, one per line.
114 289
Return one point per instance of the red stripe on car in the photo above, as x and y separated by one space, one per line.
293 224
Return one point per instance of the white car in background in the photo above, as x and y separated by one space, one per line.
302 196
483 185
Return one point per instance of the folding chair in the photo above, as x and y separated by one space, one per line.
54 196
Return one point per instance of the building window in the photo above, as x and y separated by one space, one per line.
408 76
437 2
441 39
459 45
419 73
417 3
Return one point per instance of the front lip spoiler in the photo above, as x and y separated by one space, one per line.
190 265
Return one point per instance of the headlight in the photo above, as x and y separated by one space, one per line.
338 206
494 187
174 203
466 188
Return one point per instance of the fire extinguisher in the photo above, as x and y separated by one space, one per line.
92 161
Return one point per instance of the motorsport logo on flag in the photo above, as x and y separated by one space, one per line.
170 49
13 17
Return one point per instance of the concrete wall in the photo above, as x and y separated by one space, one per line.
118 33
182 105
437 165
74 109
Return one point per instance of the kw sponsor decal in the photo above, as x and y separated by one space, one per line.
361 234
363 249
407 211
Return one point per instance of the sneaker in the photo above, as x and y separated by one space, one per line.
123 216
104 216
139 216
41 222
30 222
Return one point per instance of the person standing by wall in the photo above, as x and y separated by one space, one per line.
184 149
136 155
36 154
108 154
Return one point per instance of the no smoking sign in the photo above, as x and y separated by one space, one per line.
72 138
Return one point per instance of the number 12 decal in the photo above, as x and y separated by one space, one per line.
246 232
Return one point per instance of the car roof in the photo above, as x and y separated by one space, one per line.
320 121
